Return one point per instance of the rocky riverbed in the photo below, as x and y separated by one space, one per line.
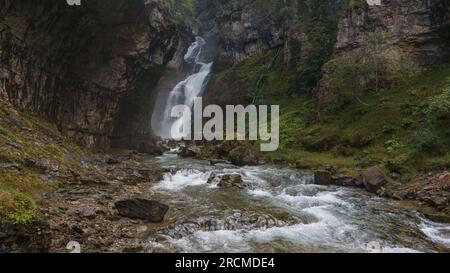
132 202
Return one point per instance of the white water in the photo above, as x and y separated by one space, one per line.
280 210
185 92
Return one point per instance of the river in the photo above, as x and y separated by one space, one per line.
280 210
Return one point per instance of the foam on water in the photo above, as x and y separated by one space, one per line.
314 218
183 179
439 233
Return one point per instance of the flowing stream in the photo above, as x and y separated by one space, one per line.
280 210
184 93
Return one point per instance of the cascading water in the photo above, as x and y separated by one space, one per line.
184 93
280 210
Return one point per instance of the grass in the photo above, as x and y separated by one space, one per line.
387 132
24 139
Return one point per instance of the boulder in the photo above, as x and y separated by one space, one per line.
150 148
374 179
244 155
322 178
190 151
147 210
212 178
89 213
344 180
231 181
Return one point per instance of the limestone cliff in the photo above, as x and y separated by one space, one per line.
417 28
91 68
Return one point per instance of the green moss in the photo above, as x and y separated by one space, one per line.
38 140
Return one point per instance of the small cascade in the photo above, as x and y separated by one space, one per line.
184 93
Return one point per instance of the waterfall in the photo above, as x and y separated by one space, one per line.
185 92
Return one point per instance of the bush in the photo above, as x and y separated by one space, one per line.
439 106
426 141
17 207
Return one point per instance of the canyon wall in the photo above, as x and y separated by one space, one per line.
417 29
90 69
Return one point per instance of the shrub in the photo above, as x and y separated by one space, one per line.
439 105
426 141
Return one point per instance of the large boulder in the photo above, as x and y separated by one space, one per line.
150 211
244 155
374 179
231 181
322 178
190 151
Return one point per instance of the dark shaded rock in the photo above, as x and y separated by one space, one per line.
214 162
89 213
244 155
112 161
30 163
231 181
374 179
190 151
14 145
150 148
25 238
147 210
437 199
9 168
399 195
211 178
322 178
344 180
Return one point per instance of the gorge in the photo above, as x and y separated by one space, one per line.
85 99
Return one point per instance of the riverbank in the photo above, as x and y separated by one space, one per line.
54 193
428 193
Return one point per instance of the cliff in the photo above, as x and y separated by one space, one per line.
416 30
90 69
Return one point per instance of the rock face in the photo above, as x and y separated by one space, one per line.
248 28
147 210
90 69
323 178
374 179
418 27
32 238
252 28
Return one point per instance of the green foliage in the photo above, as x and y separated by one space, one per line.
17 207
182 10
426 141
439 105
394 132
321 28
371 67
393 145
25 210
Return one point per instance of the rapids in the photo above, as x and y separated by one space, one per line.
281 210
